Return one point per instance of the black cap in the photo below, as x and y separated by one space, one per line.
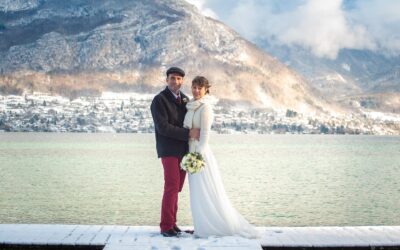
176 70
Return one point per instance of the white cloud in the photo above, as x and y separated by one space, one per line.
382 19
320 26
324 27
200 4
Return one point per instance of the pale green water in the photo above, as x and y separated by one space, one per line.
284 180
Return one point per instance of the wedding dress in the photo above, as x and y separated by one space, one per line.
212 212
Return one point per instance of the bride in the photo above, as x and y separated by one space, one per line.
212 212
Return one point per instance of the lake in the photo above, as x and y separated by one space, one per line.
273 180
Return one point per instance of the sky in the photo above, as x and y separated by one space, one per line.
322 26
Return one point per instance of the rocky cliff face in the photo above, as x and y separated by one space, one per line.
87 46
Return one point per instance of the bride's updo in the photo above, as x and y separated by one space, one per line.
201 81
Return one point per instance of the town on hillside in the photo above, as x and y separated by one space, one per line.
130 113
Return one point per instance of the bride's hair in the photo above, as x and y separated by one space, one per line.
201 81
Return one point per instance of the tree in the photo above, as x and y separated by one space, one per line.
34 119
300 129
291 113
81 121
340 130
324 129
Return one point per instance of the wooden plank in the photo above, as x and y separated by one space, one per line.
371 238
89 235
12 233
97 239
7 234
281 236
385 235
74 236
26 232
131 236
333 236
315 235
393 232
345 238
35 234
103 235
117 233
272 237
59 232
128 247
320 237
339 237
299 239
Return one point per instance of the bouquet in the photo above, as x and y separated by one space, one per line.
193 162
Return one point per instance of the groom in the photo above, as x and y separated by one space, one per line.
168 109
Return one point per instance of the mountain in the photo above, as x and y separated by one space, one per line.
85 47
370 79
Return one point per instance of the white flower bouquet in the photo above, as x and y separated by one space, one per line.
193 162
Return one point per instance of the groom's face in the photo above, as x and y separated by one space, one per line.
174 82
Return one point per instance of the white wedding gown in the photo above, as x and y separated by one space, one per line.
212 212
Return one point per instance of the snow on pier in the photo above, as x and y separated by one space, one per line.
114 237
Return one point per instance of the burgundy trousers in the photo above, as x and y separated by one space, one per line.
174 177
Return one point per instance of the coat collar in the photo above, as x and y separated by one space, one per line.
171 96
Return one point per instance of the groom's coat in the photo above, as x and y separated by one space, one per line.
168 115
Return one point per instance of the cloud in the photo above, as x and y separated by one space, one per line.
382 19
323 27
201 5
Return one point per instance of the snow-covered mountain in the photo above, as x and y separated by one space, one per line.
368 78
80 46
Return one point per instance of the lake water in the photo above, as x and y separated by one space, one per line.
273 180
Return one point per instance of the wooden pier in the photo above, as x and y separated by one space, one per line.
109 237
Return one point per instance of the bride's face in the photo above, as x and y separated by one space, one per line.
198 92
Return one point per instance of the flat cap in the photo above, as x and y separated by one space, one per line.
176 70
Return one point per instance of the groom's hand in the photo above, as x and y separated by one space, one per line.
194 133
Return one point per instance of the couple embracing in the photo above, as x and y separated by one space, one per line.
182 126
